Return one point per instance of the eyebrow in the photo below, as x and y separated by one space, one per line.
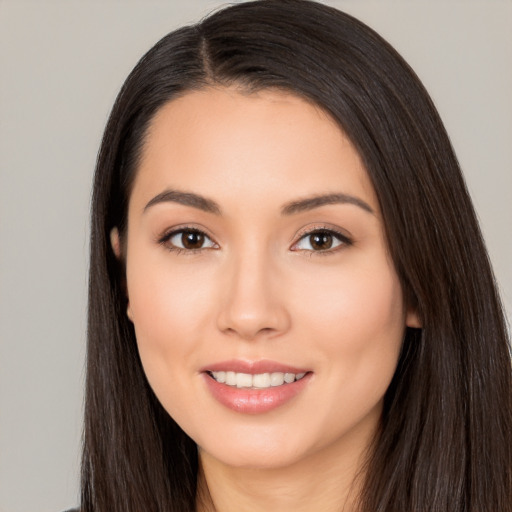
186 199
309 203
291 208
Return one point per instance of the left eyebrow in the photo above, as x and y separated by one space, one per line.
186 199
309 203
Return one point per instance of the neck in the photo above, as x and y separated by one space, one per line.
329 480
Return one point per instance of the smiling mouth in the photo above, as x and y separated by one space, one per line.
254 381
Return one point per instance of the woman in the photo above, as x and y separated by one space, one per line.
291 306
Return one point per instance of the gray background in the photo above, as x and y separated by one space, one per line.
61 65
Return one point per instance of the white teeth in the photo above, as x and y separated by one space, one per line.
243 380
261 380
276 379
257 381
220 376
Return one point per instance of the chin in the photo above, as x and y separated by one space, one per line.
262 448
254 458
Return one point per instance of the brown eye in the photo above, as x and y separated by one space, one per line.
320 241
188 240
192 239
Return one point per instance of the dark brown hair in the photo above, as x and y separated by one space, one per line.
444 443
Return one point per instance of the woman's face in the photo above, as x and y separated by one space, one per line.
268 314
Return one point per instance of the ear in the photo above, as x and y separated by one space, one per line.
129 312
115 242
412 319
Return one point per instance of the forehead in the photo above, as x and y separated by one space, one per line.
227 142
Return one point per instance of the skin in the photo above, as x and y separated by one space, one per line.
259 290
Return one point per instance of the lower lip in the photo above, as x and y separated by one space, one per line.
254 401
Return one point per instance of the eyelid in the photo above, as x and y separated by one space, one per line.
168 233
345 239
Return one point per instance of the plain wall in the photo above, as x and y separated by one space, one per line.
61 65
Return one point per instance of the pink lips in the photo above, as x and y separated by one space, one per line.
253 367
254 401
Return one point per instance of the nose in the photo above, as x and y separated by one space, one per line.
253 301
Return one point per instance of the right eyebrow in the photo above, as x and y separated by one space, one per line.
185 198
310 203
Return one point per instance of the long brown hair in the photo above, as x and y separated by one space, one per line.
444 443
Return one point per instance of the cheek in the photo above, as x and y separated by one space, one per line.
164 296
356 319
170 307
353 324
354 300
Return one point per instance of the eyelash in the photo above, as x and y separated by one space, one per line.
344 240
166 237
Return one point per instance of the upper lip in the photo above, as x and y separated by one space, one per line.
252 367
